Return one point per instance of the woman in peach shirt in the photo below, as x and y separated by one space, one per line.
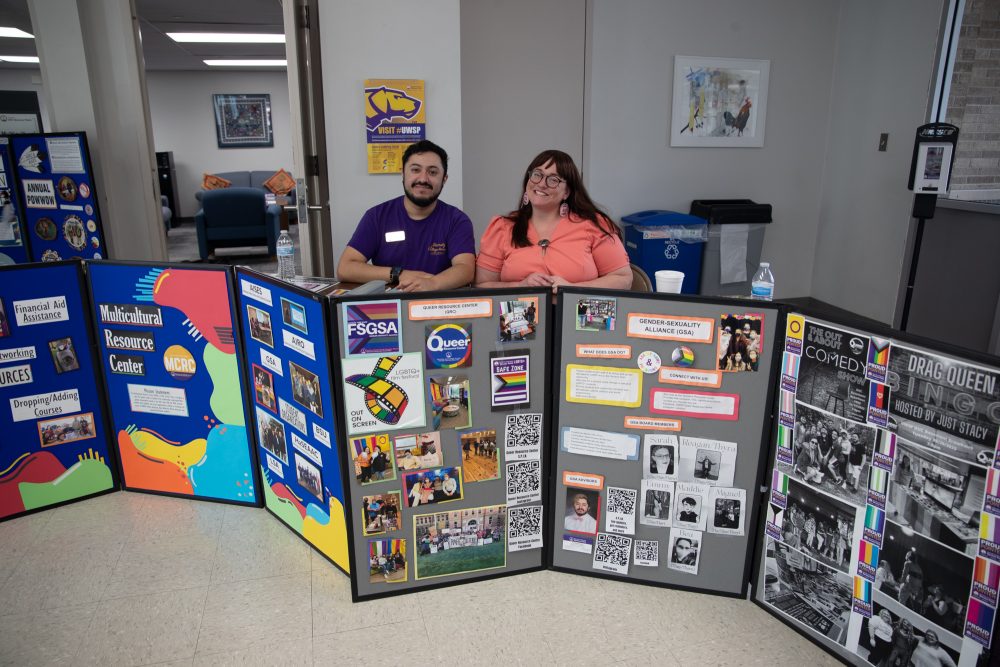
557 237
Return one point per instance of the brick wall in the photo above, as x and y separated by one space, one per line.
974 99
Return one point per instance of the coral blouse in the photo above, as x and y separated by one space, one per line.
578 251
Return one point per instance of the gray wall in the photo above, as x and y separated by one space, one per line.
630 164
522 89
415 41
883 77
957 288
181 112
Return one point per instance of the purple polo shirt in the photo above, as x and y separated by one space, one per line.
430 244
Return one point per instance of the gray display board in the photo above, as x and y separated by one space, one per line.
633 373
884 537
456 355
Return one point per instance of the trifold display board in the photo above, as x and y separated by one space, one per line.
441 412
881 538
663 413
13 245
54 444
55 184
175 383
287 340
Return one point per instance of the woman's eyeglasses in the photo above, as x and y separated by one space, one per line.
551 180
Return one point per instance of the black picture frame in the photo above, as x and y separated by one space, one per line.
243 120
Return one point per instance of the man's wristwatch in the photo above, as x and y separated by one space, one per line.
394 275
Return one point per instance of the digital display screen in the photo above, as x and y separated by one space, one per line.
932 166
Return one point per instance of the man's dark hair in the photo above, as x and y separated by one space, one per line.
426 147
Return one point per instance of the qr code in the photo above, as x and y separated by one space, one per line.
613 549
524 521
647 550
523 430
621 501
524 477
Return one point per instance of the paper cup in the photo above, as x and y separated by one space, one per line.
669 281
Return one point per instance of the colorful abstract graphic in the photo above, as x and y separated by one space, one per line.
195 441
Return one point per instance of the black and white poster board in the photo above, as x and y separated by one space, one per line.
441 401
663 414
880 537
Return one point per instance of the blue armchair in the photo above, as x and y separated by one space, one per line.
236 217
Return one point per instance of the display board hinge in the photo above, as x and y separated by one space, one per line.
303 17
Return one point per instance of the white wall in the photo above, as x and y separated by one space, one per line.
882 83
522 92
180 105
630 165
27 79
415 40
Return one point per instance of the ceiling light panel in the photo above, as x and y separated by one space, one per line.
227 37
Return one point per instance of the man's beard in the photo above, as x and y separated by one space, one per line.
421 201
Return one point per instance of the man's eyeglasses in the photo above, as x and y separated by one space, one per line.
551 180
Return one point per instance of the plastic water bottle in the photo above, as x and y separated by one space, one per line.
286 256
762 287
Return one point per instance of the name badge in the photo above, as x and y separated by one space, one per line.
393 237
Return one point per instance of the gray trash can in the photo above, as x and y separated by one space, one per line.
732 253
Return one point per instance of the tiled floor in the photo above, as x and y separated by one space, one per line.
135 579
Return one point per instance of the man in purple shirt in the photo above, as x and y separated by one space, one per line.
415 242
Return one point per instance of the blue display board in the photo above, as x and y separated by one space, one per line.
176 389
58 196
286 337
55 444
13 248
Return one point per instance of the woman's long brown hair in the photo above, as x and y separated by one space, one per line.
579 201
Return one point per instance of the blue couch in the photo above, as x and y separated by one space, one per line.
245 179
236 217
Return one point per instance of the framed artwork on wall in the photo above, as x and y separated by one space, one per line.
719 102
243 121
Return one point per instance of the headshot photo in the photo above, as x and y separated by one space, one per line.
685 551
688 509
582 510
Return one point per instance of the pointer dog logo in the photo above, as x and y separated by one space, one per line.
383 104
385 400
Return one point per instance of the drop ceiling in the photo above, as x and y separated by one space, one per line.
158 17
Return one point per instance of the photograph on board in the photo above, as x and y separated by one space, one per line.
924 576
380 513
900 637
480 455
260 326
932 492
305 388
430 487
809 592
417 451
460 541
740 342
386 561
831 453
373 460
819 525
272 435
